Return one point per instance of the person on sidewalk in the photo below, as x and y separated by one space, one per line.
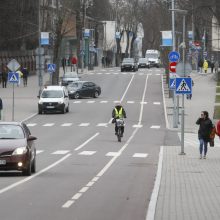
200 65
212 65
4 77
74 63
1 107
205 129
216 66
205 66
25 75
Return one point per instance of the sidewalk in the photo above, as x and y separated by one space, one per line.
190 187
25 99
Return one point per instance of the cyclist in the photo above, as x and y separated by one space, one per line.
118 112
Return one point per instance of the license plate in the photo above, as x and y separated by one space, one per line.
50 106
2 162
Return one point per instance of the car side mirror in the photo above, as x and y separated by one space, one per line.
38 96
31 138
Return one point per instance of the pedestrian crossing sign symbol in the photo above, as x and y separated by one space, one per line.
51 67
172 83
13 77
183 85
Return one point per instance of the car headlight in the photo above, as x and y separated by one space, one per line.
60 102
40 102
20 151
71 92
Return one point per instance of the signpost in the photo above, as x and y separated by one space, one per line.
13 77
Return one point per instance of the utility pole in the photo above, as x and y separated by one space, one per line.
175 110
40 79
83 39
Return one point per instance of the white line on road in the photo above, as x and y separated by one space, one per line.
84 125
61 152
86 142
109 164
34 175
87 153
153 201
140 155
48 125
31 125
155 126
66 124
127 88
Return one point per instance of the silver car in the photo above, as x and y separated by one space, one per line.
69 77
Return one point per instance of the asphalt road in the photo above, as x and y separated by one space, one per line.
83 173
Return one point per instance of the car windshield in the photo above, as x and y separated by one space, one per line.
152 55
52 94
11 132
70 75
142 60
76 85
128 60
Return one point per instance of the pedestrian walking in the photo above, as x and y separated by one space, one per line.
205 129
103 62
4 77
63 64
200 65
216 66
1 107
25 76
74 62
189 96
205 66
212 65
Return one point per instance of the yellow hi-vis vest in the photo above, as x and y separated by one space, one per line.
118 114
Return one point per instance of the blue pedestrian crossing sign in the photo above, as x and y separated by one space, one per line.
51 67
13 77
172 83
184 85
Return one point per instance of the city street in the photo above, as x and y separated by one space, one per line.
82 171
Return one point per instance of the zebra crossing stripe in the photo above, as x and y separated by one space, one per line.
130 102
84 124
61 152
103 101
155 126
77 102
113 154
140 155
48 125
87 153
39 151
31 125
156 103
90 102
66 124
102 125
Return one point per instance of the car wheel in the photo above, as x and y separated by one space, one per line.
33 166
27 172
96 94
67 109
76 96
63 110
39 111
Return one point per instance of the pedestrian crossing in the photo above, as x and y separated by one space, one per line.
140 72
85 101
91 153
87 124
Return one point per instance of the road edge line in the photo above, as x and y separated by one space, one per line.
154 196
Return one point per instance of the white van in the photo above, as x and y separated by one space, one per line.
153 57
53 98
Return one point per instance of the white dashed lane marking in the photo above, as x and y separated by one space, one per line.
156 103
113 154
140 155
155 127
39 151
48 125
31 125
102 125
137 126
61 152
84 125
130 102
87 153
77 102
90 102
66 124
103 102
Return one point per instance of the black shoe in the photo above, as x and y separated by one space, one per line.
115 133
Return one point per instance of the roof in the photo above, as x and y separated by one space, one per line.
53 87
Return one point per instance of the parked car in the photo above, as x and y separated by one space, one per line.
129 64
68 78
80 89
143 63
53 98
17 148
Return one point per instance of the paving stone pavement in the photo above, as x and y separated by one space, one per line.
190 187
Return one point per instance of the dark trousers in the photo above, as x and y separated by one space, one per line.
4 83
25 81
